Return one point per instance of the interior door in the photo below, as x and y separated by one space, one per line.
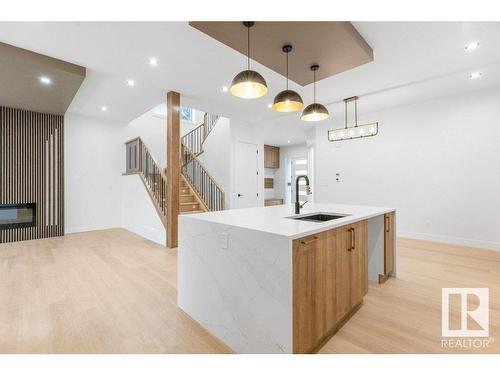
246 175
299 166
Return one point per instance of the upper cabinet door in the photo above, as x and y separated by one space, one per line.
271 156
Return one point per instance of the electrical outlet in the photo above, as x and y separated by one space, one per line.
224 237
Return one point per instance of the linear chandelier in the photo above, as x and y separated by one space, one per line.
354 131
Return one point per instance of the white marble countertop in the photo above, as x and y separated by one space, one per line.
274 219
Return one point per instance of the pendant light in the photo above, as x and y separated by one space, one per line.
287 100
315 111
248 84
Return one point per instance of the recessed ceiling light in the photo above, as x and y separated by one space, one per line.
153 61
104 108
130 82
269 106
45 80
288 141
225 89
475 75
472 46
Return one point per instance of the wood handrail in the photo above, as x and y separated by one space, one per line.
194 130
162 170
207 132
194 157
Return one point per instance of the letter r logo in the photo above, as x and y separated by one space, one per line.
479 314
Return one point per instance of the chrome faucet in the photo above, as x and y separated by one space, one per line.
298 206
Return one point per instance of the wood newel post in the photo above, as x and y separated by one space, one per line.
173 166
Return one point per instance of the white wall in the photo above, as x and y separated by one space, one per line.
138 213
153 131
216 156
92 166
437 162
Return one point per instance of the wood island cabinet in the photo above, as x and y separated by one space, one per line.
330 279
388 246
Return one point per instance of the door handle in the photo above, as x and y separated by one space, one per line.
349 247
309 241
240 195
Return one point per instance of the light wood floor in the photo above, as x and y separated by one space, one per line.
115 292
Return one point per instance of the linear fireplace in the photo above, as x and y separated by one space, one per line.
17 215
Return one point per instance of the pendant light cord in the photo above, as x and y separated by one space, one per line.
287 70
314 86
248 47
345 112
355 110
355 113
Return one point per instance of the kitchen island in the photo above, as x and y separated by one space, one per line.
263 281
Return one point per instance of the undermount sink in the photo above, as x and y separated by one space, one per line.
319 217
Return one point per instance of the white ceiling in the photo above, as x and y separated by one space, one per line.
412 61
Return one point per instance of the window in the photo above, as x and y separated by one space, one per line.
187 114
299 166
132 156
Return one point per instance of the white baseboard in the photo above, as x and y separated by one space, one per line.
146 232
451 240
89 228
149 233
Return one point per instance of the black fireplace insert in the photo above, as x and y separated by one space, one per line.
17 215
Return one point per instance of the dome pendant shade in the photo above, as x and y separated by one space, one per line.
287 101
248 84
315 112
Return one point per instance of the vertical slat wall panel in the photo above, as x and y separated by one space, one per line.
32 170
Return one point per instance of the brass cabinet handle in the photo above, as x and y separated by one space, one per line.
350 247
353 239
388 224
309 241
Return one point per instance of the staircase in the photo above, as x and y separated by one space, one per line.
196 176
140 161
199 192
